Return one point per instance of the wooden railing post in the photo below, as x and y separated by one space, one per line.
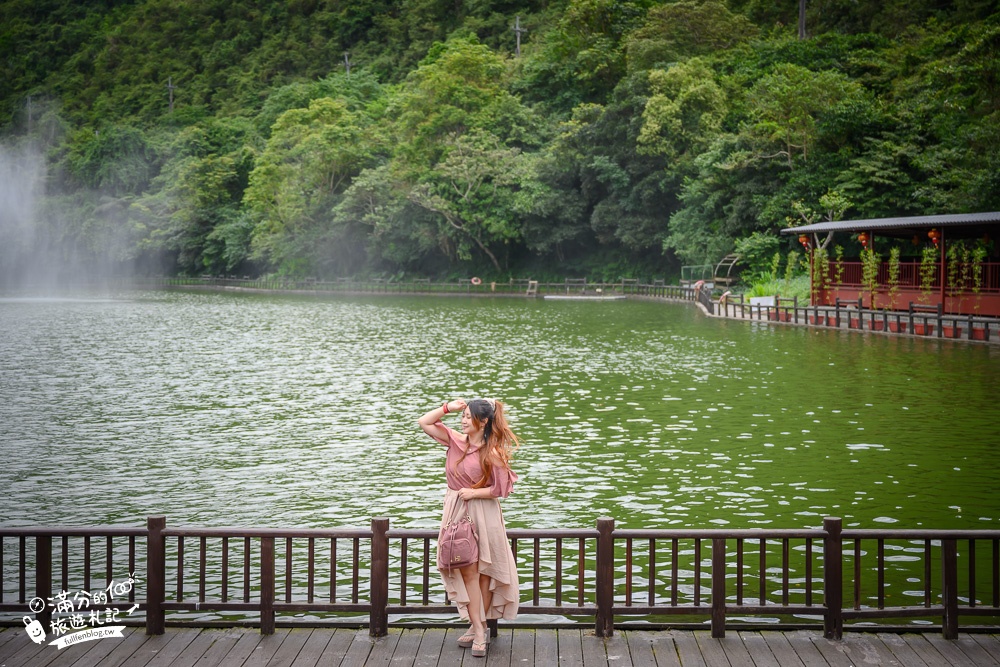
156 577
267 585
719 587
833 578
605 577
43 577
949 588
378 624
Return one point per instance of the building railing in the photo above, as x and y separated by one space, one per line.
826 574
915 318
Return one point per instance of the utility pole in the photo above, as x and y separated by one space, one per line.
347 64
517 31
802 19
170 89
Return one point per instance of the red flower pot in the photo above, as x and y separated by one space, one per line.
897 327
876 325
952 332
923 329
978 334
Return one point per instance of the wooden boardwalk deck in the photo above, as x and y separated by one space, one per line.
416 647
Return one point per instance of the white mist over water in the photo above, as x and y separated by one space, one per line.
22 177
55 240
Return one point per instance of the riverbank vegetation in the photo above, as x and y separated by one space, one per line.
627 138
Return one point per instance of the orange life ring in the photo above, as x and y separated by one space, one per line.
476 281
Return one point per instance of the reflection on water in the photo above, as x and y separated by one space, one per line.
221 409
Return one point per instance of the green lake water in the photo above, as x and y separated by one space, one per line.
234 409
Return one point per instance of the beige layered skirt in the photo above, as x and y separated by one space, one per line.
496 560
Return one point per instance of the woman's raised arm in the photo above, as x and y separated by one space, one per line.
429 422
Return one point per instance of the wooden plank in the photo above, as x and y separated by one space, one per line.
902 650
927 651
313 648
9 634
22 651
289 649
616 649
267 646
863 648
193 651
947 648
121 650
834 651
546 647
759 651
223 644
522 648
711 650
640 648
779 647
969 647
430 648
338 646
570 648
687 649
383 648
406 648
593 650
802 643
989 643
242 650
160 651
451 652
736 651
498 652
357 652
92 651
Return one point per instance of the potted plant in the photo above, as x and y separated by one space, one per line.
978 256
896 326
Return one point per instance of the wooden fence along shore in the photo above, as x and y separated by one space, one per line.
814 578
915 320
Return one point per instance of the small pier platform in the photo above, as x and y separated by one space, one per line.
424 646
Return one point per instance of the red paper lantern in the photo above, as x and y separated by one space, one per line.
804 240
864 238
935 236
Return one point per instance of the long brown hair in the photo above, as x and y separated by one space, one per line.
499 441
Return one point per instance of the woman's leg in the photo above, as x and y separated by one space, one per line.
486 594
470 574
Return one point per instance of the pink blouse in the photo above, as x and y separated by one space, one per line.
466 474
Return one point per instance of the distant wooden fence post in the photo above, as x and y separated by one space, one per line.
378 624
156 580
949 588
719 587
605 577
267 585
833 578
43 577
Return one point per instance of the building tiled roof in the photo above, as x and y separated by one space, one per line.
971 223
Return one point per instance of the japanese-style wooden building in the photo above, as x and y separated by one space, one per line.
949 261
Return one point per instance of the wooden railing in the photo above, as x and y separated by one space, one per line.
465 286
916 318
604 573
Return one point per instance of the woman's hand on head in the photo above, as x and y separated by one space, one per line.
456 406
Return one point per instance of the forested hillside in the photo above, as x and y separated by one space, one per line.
332 137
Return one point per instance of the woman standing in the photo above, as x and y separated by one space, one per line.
477 468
